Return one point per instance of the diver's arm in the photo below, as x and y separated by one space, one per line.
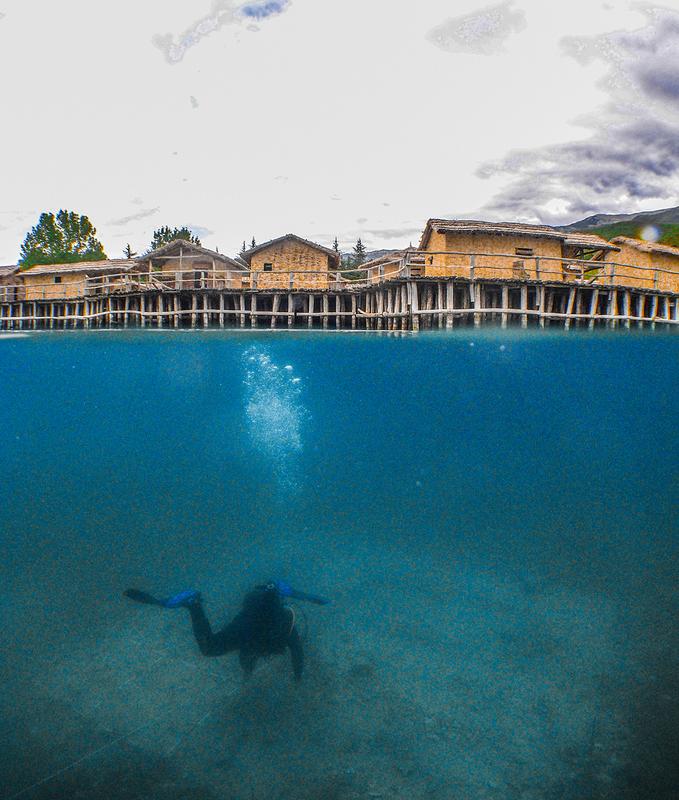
296 653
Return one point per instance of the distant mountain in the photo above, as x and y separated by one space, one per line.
665 216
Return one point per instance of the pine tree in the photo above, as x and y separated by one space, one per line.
359 252
62 239
243 248
253 243
165 235
335 245
128 252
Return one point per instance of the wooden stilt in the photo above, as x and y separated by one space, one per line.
450 303
627 306
242 310
325 310
594 302
338 311
310 319
274 309
654 309
612 309
221 309
569 306
291 309
354 311
414 306
505 304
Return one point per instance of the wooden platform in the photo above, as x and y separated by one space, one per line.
393 305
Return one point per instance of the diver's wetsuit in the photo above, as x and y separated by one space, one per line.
262 627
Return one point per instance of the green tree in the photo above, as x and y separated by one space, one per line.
253 243
359 252
165 235
61 239
335 245
128 252
243 248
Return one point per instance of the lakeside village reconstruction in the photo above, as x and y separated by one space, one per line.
463 272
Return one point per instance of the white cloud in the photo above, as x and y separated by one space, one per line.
482 32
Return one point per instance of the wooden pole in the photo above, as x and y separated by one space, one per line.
593 307
414 306
612 309
291 305
338 310
354 311
505 304
253 310
242 309
274 309
221 309
627 306
654 309
325 310
569 306
450 303
310 319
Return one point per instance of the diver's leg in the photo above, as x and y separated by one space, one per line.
213 644
247 662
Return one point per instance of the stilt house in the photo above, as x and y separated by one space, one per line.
183 265
506 250
646 265
81 279
291 262
9 281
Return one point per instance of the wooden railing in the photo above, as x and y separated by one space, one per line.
412 265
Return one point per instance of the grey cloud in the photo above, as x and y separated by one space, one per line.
145 212
632 152
222 13
361 220
482 32
194 102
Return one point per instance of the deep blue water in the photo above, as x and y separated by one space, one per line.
494 514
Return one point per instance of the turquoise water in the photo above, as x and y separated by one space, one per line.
493 514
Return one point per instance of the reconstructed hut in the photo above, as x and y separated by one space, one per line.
183 265
9 283
81 279
644 265
507 250
291 262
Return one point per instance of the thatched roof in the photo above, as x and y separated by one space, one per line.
172 249
332 254
587 240
107 265
8 270
647 247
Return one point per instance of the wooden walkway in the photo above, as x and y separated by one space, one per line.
394 304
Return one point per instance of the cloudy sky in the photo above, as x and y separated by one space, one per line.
321 117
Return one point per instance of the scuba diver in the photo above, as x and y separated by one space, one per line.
265 624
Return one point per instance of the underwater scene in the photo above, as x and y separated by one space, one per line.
492 515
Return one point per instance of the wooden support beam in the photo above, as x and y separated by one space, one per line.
242 310
569 306
274 309
593 307
450 302
253 309
505 304
326 304
627 306
354 310
310 319
654 309
291 306
206 315
338 310
414 306
221 309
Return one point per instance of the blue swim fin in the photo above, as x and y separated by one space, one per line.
287 591
181 600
